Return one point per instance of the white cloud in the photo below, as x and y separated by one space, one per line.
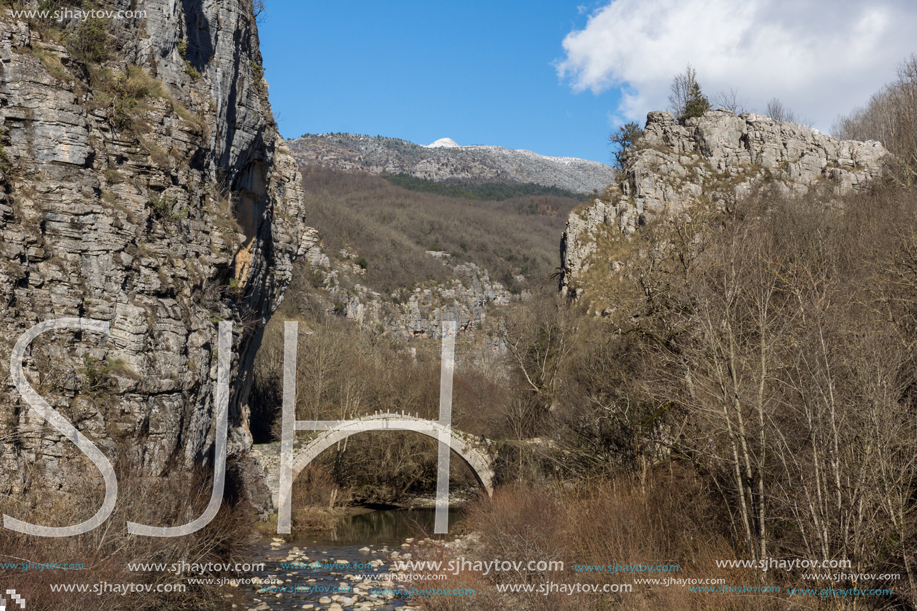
819 58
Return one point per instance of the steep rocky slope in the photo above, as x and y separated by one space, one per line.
144 184
465 296
445 161
715 159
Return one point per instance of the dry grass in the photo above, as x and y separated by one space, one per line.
315 497
666 517
106 551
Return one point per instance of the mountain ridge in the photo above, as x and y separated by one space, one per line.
446 161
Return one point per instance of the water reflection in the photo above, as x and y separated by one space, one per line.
389 527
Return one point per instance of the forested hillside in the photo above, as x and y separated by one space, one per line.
390 228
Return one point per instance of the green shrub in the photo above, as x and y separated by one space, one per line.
162 207
234 287
5 164
624 138
89 41
190 70
124 93
258 71
98 373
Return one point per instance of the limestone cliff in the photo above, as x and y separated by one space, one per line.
143 183
714 159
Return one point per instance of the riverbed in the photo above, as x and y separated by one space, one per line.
341 568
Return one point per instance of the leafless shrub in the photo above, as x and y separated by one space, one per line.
106 551
778 111
259 10
662 518
730 101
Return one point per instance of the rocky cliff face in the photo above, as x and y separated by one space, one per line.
715 159
144 184
449 162
465 297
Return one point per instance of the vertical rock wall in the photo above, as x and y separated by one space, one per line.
162 214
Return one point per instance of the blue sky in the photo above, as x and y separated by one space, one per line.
476 72
556 77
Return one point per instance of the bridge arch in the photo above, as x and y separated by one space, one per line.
471 450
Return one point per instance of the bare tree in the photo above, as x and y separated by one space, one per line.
777 111
891 118
795 397
258 9
728 369
730 101
539 340
681 88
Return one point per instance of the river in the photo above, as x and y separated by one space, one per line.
340 568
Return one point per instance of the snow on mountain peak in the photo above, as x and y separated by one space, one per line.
444 143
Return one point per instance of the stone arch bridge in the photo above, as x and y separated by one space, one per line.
476 452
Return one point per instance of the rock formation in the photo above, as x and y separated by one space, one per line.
465 296
717 159
443 162
148 187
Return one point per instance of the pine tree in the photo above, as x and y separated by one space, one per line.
697 103
624 138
